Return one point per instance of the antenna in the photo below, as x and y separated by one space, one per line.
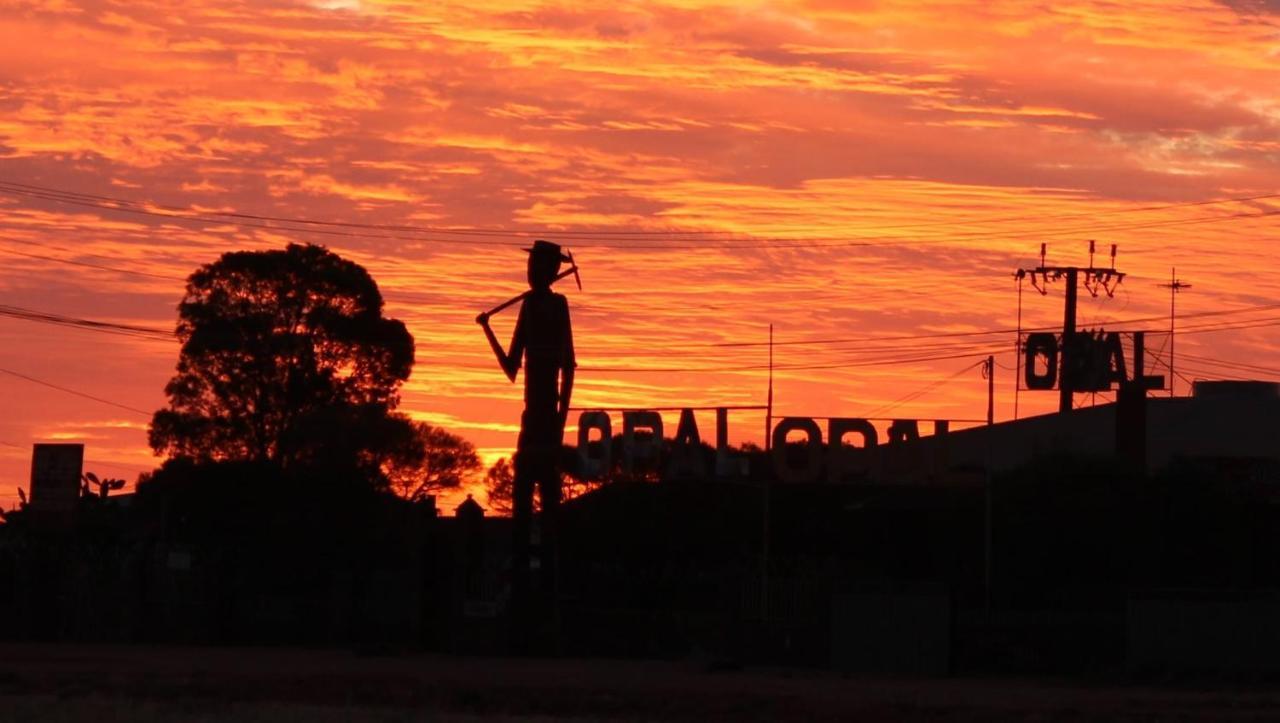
768 415
1174 286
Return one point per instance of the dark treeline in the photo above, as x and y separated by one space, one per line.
240 553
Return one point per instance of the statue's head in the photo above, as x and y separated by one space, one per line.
544 263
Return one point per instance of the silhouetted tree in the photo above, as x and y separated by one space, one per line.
575 482
500 481
499 486
433 460
286 360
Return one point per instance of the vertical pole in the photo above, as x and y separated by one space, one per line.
986 541
1065 372
1174 287
1017 351
766 491
1173 296
765 495
991 390
768 413
1140 359
1131 411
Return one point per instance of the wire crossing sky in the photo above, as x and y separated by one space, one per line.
864 176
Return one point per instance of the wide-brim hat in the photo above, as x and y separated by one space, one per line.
546 249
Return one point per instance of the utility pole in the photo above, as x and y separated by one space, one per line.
1174 286
989 371
768 413
1095 279
991 389
765 498
1066 386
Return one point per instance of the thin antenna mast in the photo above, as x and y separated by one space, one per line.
1017 345
1174 286
768 413
988 371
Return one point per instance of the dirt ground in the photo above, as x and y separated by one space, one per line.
105 684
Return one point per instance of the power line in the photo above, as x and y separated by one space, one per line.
858 343
1273 321
923 345
116 465
75 392
986 332
911 396
44 317
1210 368
159 334
1210 374
863 363
791 367
1243 366
859 339
85 264
963 349
156 334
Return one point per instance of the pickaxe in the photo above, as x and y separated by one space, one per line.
572 270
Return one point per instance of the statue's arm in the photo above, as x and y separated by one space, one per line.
570 363
508 360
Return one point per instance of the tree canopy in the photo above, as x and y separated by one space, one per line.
499 484
434 459
287 360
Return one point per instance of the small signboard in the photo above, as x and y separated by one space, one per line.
55 477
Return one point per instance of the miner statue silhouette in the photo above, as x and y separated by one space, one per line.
543 340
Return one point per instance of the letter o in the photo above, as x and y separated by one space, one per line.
812 450
840 460
1040 344
595 467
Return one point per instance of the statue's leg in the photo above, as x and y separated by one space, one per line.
550 491
521 525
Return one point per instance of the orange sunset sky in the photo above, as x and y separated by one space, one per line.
842 170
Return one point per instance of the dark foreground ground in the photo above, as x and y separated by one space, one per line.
109 683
